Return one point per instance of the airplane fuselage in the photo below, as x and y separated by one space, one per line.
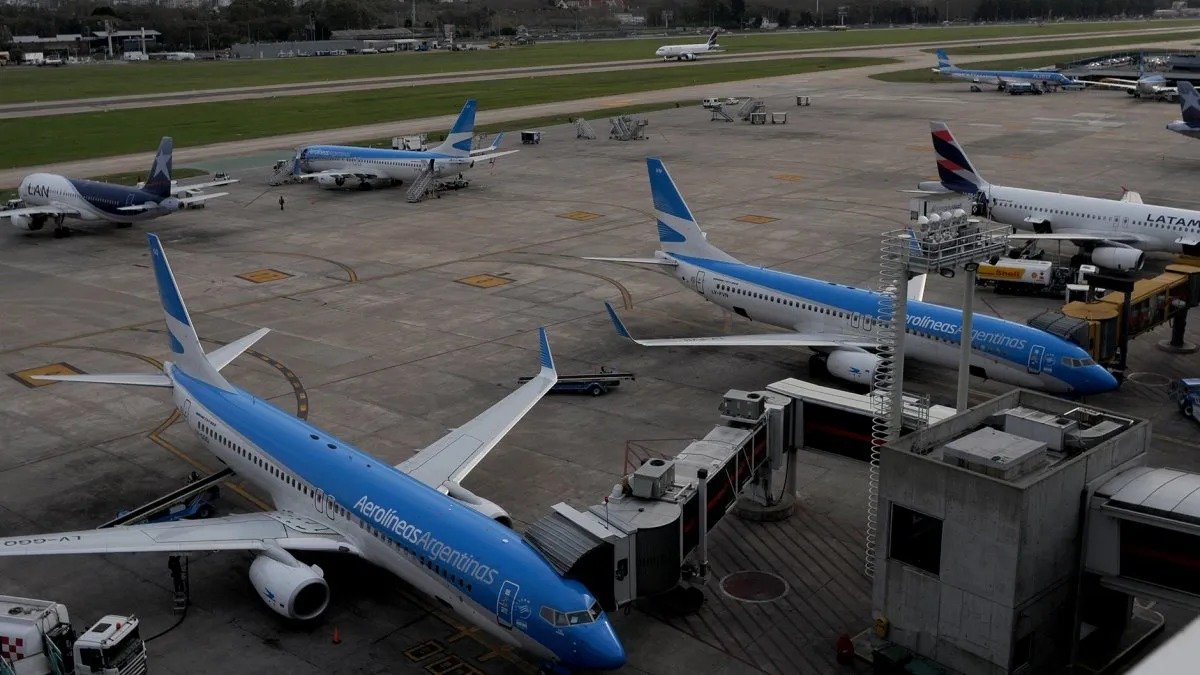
684 52
1158 228
94 200
998 77
400 166
467 562
1001 350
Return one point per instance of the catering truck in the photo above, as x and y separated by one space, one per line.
36 638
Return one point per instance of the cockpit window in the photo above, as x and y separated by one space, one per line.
556 618
1077 363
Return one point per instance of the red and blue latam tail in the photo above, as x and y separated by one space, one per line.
955 170
184 343
458 141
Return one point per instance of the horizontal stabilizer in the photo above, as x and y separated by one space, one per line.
133 379
494 155
636 261
222 356
201 198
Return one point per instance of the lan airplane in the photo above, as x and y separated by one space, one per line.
414 519
1000 78
838 321
1115 232
338 166
1189 104
51 197
689 52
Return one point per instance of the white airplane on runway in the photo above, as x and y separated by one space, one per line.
1115 232
349 166
689 52
841 323
1146 86
1189 105
414 519
51 197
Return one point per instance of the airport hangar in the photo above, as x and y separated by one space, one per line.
392 321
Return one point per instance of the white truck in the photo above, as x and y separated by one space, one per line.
36 638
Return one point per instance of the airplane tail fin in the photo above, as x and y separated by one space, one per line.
1189 103
943 59
159 180
678 231
458 141
954 169
712 38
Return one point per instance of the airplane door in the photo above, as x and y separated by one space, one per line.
505 602
700 282
1035 359
319 500
330 511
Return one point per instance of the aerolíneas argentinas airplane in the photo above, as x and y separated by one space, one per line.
1115 232
338 166
689 52
51 197
1000 78
415 519
839 322
1189 104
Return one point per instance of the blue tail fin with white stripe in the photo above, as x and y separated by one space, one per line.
678 231
181 334
458 141
943 59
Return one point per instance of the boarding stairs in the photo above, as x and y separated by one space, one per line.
750 107
282 173
584 129
627 128
420 187
719 114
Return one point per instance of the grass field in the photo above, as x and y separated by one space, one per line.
46 84
1046 45
38 140
927 76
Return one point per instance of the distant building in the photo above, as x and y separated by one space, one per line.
1178 9
627 19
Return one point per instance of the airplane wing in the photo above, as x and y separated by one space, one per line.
449 460
48 210
333 173
764 340
1069 235
189 190
1112 83
244 532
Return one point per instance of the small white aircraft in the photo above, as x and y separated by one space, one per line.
1115 232
689 52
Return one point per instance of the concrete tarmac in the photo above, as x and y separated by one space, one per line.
390 347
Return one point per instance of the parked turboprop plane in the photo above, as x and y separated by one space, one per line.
415 519
689 52
1000 78
339 166
840 322
1189 104
1115 232
51 197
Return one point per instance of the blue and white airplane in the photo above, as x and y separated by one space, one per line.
51 197
838 321
1000 78
414 519
1189 105
342 166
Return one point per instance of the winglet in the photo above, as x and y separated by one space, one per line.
617 323
544 354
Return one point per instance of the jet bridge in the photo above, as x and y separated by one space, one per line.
651 532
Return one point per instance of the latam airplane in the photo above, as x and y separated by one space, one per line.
414 519
1189 104
1115 232
839 322
689 52
1000 78
49 196
341 166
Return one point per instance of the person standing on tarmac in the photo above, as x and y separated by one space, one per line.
280 202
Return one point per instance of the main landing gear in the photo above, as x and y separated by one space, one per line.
61 230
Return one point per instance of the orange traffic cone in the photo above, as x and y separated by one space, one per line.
337 636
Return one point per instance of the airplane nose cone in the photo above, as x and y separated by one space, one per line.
600 649
1097 381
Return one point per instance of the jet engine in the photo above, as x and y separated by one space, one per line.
296 591
689 57
1120 259
331 181
170 204
487 508
25 223
856 367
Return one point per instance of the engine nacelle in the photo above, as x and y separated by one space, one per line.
296 591
331 181
689 57
487 508
25 223
1120 259
170 204
857 367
